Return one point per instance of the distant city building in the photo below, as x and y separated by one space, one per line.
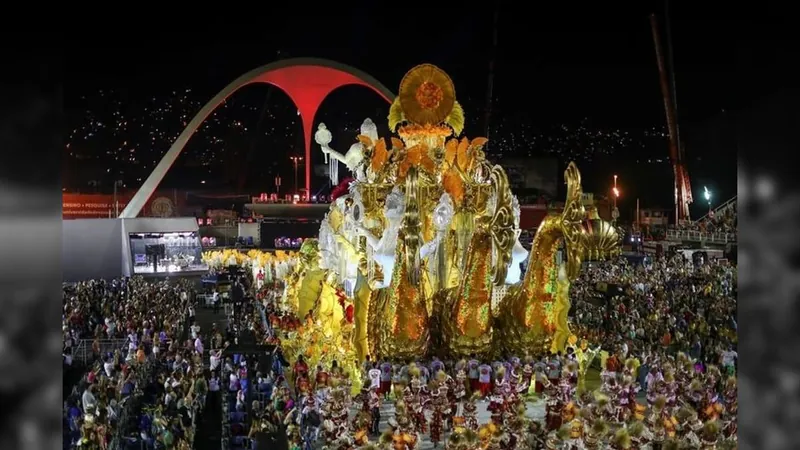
654 217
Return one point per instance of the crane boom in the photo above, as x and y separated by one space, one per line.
683 191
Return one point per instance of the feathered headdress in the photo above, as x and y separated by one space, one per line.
622 439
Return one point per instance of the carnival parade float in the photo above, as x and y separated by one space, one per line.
421 256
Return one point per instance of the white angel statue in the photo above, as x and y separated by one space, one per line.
327 246
355 155
383 248
518 253
442 217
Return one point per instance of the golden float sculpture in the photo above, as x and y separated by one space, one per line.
425 243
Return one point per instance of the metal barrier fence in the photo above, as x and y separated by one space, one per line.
82 352
699 236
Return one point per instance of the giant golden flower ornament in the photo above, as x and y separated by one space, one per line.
427 95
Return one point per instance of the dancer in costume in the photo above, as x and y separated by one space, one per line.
688 427
595 430
497 403
413 398
566 390
695 394
709 436
450 384
516 430
374 408
730 396
670 388
321 378
471 411
553 404
515 378
527 377
622 400
403 434
641 437
459 391
439 406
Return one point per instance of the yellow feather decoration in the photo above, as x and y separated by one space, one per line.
396 115
456 119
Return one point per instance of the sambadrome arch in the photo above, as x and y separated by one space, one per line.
307 81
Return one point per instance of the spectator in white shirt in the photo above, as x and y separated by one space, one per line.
111 411
111 326
213 384
729 358
88 400
108 366
195 329
214 360
233 386
169 396
198 346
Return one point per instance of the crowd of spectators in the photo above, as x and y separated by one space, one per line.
148 383
665 307
250 389
723 220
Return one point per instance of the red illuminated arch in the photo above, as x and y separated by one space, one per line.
307 81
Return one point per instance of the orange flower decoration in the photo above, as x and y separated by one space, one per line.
379 156
454 185
365 140
452 182
450 151
416 156
429 95
397 144
464 154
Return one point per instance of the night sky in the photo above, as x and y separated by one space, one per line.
551 67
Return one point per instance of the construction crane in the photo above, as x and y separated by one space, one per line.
682 186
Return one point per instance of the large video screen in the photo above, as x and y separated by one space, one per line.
165 253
